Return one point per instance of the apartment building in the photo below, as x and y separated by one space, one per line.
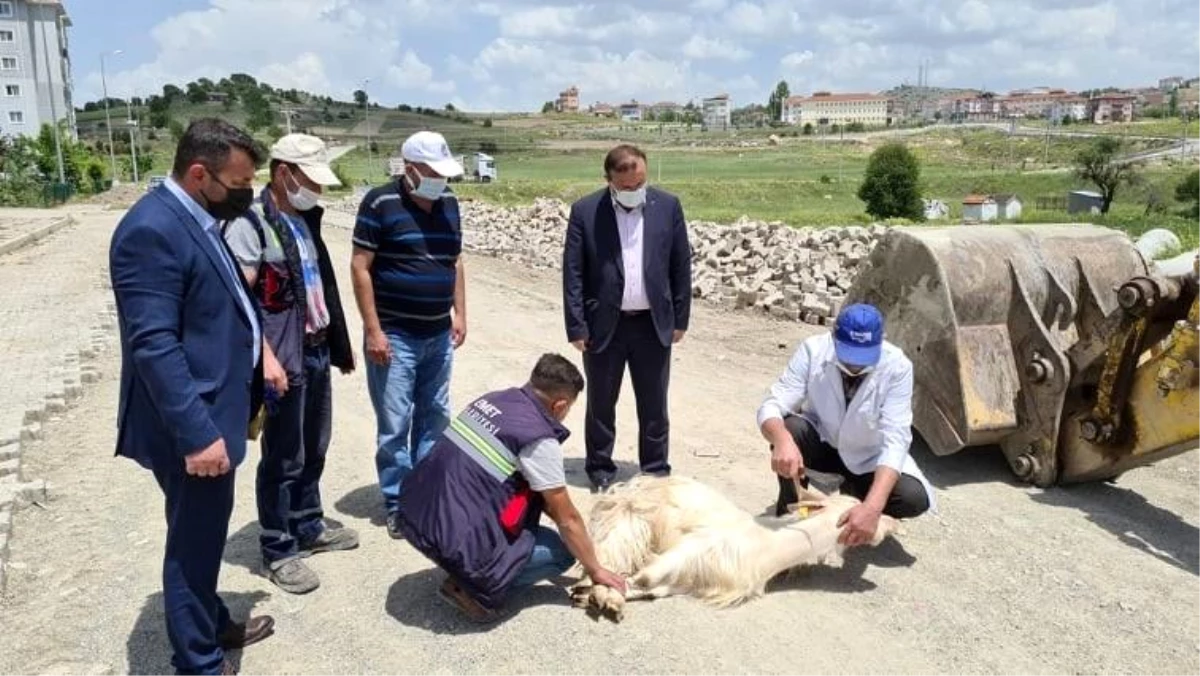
35 67
827 108
718 112
568 100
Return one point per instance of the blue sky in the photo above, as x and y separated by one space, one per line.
515 54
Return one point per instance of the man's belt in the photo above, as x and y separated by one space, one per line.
316 338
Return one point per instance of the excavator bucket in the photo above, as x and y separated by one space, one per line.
1009 329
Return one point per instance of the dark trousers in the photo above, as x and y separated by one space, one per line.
198 511
295 441
908 498
635 343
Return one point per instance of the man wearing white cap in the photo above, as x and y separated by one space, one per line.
411 292
285 261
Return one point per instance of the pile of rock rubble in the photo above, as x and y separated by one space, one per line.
794 273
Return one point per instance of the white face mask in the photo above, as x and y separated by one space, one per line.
302 199
430 187
630 199
861 372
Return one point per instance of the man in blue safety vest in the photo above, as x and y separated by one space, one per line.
474 504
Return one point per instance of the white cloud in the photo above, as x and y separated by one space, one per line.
413 73
700 47
795 60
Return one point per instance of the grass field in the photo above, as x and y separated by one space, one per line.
809 182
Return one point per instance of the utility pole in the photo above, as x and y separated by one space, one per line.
287 114
62 176
132 124
1183 138
112 155
1046 152
367 120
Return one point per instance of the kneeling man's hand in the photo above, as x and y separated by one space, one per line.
608 579
860 523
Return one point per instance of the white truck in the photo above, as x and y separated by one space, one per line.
479 167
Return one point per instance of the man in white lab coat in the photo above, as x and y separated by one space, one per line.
844 406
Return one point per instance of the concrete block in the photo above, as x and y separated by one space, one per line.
21 493
31 432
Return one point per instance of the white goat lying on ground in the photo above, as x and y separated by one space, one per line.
674 535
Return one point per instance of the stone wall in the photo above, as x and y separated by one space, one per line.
793 273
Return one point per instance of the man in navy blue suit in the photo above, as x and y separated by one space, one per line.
191 375
627 297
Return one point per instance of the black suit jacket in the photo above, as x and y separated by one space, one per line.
594 272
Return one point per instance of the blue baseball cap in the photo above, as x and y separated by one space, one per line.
858 335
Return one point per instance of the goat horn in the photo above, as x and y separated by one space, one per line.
806 493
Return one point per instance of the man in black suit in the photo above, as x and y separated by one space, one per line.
627 296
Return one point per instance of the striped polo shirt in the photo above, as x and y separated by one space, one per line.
413 274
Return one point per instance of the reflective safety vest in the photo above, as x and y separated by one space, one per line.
466 506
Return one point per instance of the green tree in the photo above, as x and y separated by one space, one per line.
891 186
548 107
778 98
258 111
1188 191
360 97
1099 163
196 93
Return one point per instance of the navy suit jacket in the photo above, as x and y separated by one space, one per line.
594 272
187 376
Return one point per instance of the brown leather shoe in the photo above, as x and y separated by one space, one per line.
458 597
238 635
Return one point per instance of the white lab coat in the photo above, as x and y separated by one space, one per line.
874 429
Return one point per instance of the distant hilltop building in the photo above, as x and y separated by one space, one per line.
567 101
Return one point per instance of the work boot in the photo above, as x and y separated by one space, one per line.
292 576
330 540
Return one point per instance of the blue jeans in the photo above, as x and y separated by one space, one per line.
411 397
295 440
550 557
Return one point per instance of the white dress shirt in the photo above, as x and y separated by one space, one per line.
630 224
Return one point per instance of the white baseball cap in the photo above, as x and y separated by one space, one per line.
429 147
308 153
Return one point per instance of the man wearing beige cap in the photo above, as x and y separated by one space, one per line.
283 257
410 289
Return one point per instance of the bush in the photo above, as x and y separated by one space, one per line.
1188 191
825 178
891 185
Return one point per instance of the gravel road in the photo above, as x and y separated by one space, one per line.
1007 578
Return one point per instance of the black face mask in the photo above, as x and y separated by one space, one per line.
237 201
